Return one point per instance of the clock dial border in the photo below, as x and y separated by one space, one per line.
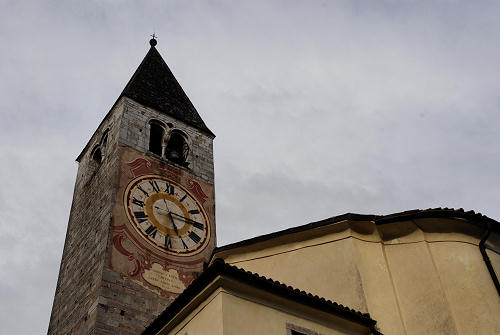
128 204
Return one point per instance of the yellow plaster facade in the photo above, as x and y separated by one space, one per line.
206 318
422 276
227 307
246 317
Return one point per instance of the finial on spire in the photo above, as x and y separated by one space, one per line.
153 41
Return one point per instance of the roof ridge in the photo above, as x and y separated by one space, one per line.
377 219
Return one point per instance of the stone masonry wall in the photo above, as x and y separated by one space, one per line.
77 291
124 306
90 297
135 134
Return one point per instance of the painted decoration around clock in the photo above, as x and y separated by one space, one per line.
167 215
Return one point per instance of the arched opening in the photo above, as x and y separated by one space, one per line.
177 149
97 155
155 138
104 139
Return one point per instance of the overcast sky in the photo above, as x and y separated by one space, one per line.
320 108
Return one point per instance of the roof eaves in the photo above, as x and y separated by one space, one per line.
298 229
219 267
437 213
297 295
473 217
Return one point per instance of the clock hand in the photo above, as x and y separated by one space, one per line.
164 214
173 223
177 232
180 216
188 220
166 205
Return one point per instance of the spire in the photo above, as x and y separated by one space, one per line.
154 85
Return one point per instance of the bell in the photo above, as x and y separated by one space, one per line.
174 155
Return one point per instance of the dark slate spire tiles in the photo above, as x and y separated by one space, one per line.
154 85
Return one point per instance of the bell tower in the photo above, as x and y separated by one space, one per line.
142 221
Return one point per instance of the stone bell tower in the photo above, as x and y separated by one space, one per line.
142 221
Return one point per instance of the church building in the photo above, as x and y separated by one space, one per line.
140 255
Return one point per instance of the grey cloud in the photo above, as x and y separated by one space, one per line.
319 107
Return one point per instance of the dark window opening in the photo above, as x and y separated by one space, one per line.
104 139
177 149
97 155
155 138
292 329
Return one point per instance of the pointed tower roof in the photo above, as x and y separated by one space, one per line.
154 85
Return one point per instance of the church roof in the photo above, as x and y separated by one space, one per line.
154 85
221 268
474 218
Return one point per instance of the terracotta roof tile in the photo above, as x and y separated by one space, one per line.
219 267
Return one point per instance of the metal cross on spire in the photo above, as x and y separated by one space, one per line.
153 41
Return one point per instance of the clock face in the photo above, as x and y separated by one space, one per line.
166 215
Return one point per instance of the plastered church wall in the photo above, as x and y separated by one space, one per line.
207 318
229 311
425 276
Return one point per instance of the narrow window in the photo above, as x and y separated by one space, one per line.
292 329
97 155
104 139
155 138
177 149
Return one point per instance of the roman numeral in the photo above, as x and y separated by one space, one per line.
194 211
169 189
151 231
155 186
194 237
140 216
184 244
197 225
183 198
168 241
143 191
138 202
